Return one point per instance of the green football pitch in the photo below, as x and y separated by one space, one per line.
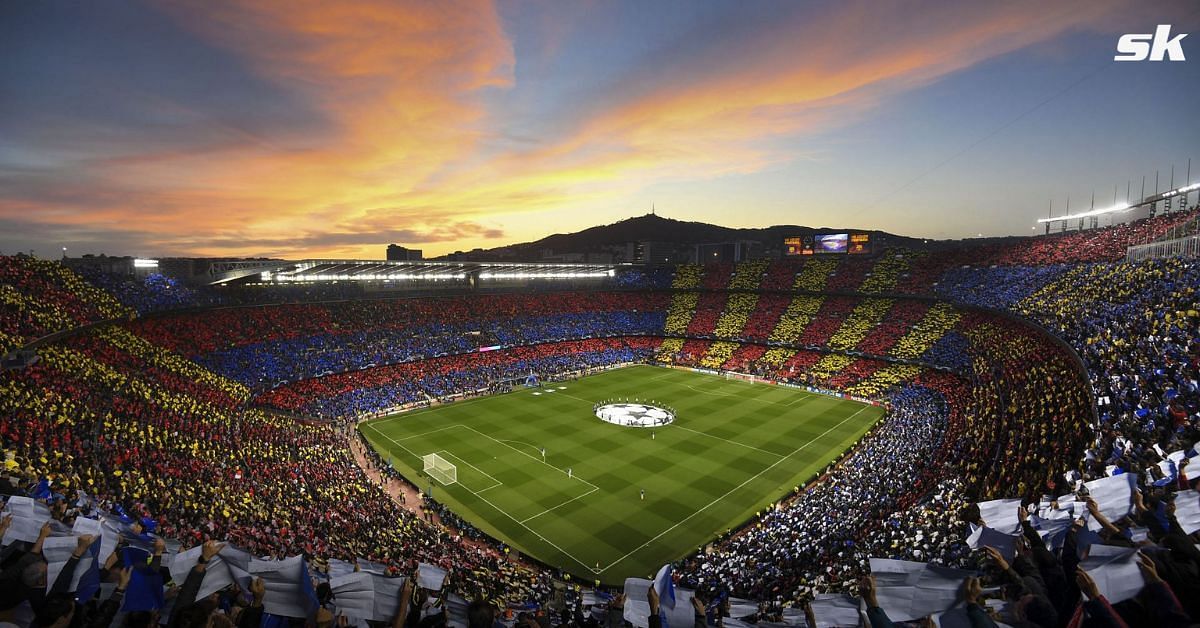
734 448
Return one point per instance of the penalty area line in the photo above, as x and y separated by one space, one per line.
500 510
534 458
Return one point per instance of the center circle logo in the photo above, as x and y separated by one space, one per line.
634 413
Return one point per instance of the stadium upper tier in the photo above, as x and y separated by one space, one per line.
173 414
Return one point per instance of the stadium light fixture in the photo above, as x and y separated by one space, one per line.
546 275
145 263
370 277
1087 214
1183 190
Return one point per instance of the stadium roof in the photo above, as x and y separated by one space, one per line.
404 271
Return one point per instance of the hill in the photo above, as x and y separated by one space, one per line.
655 228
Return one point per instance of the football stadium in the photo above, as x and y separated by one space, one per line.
481 314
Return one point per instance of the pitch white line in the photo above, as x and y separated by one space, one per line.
442 451
741 398
481 471
521 442
531 530
440 429
574 397
800 400
731 442
574 477
499 509
559 506
398 443
730 492
419 411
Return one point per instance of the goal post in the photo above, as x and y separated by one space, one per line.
440 469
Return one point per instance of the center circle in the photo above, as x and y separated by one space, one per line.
634 413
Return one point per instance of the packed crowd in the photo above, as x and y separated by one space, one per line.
269 347
158 292
945 440
370 391
1137 328
117 414
265 347
39 298
83 561
155 292
910 330
135 426
927 268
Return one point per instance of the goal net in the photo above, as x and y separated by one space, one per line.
440 469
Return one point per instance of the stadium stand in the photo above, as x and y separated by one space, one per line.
1028 366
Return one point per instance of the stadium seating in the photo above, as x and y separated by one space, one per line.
709 306
716 276
38 298
369 391
206 420
738 309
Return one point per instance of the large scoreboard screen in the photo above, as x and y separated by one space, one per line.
828 243
831 242
859 243
795 246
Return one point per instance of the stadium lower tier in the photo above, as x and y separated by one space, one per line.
368 392
107 412
371 391
122 413
117 412
66 299
267 347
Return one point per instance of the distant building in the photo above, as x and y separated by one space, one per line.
623 253
116 265
655 252
548 255
729 252
397 253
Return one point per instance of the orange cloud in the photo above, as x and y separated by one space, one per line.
401 86
793 78
797 76
399 83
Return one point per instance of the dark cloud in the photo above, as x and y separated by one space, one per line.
47 239
120 79
447 232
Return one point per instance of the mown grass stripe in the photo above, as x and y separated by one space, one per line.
741 447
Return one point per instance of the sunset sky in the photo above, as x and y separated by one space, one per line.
298 129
